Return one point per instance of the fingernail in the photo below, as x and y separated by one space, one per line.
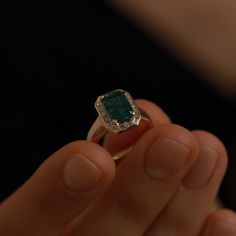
165 158
81 174
202 169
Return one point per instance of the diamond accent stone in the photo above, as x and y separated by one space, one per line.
118 110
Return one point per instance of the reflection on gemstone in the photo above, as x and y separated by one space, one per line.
118 111
117 106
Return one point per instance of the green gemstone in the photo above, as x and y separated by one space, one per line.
117 106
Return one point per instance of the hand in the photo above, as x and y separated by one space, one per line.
166 185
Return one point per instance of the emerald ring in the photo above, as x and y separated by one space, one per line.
117 113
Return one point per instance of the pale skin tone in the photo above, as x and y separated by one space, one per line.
200 33
177 195
166 186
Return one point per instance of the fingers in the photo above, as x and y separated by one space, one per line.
221 223
114 142
146 180
61 188
157 115
188 209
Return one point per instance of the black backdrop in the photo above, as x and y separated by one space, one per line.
55 61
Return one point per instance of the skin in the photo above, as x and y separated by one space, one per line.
200 33
126 198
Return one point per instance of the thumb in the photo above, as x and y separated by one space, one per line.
63 186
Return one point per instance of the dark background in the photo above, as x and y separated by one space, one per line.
55 61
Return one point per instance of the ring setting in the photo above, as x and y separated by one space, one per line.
117 113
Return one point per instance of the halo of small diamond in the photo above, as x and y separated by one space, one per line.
113 125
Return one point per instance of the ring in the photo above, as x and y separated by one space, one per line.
117 113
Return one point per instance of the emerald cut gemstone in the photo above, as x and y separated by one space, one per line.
117 106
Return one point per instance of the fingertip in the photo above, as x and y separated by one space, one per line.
68 182
179 133
209 140
206 138
79 170
95 153
220 223
223 215
158 116
172 132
